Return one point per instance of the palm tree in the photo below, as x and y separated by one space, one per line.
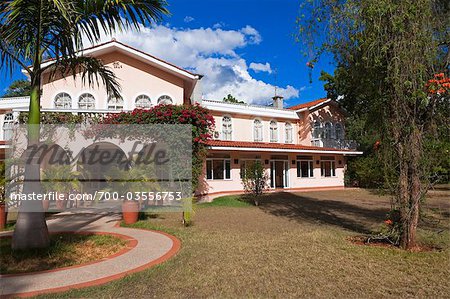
34 30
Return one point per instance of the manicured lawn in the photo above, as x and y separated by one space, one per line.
292 245
65 250
226 201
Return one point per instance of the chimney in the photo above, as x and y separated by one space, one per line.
278 102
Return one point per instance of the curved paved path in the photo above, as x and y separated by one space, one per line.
152 248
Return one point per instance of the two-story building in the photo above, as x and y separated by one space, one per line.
302 147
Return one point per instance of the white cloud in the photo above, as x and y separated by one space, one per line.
188 19
260 67
218 25
212 53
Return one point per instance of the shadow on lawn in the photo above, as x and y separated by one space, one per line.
333 212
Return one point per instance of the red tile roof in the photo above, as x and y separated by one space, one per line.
287 146
308 104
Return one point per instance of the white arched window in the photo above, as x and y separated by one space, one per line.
143 102
316 129
165 100
273 131
328 131
8 124
86 101
115 103
339 131
227 128
288 133
257 130
63 101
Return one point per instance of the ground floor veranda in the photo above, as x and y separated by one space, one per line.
286 171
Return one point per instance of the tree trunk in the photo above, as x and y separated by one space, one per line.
31 229
413 192
403 194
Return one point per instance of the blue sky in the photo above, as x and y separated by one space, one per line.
237 45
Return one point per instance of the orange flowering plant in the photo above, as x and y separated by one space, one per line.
440 84
391 231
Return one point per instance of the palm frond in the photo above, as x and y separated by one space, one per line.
32 30
91 70
109 16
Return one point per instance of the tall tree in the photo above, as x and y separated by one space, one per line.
230 99
34 30
18 88
387 50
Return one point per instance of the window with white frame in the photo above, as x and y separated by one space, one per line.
63 101
257 130
327 134
165 100
273 131
316 132
327 166
143 102
339 131
115 103
305 167
227 128
288 133
86 101
218 169
8 123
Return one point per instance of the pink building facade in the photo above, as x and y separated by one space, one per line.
301 147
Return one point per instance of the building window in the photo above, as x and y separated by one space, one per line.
327 131
339 131
305 167
218 169
316 129
8 124
327 167
86 101
115 103
143 102
165 100
273 131
227 128
257 130
288 133
63 101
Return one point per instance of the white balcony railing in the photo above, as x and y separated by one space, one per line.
335 143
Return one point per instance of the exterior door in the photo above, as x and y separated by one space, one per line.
286 174
279 174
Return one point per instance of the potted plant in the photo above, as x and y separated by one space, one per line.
61 179
134 179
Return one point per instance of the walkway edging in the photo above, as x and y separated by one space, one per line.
176 245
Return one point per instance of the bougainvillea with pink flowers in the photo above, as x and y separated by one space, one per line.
195 115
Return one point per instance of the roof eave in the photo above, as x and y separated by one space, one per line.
259 149
153 60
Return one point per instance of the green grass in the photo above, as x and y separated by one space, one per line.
234 201
292 245
64 250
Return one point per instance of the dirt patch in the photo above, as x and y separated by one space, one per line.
362 240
